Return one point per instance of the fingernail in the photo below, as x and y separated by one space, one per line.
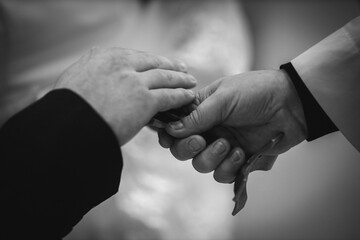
176 125
236 157
219 147
194 145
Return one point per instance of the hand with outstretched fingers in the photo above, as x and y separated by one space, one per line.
128 87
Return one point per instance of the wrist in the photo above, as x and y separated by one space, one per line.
291 100
317 121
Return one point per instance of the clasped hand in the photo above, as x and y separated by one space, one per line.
243 113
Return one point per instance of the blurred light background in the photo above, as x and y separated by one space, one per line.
312 192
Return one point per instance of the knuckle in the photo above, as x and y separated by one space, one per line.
179 64
90 54
95 50
123 51
114 62
166 75
183 92
164 60
156 62
197 100
130 79
195 117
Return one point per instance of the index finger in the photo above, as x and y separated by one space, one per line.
143 61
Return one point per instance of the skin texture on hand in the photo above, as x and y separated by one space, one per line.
128 87
244 112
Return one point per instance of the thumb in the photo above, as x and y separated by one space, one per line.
204 117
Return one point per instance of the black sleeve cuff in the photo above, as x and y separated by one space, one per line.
317 121
59 160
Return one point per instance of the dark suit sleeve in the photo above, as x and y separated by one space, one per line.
317 121
59 159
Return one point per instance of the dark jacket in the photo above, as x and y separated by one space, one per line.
59 159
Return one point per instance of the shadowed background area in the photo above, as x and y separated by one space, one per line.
313 190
